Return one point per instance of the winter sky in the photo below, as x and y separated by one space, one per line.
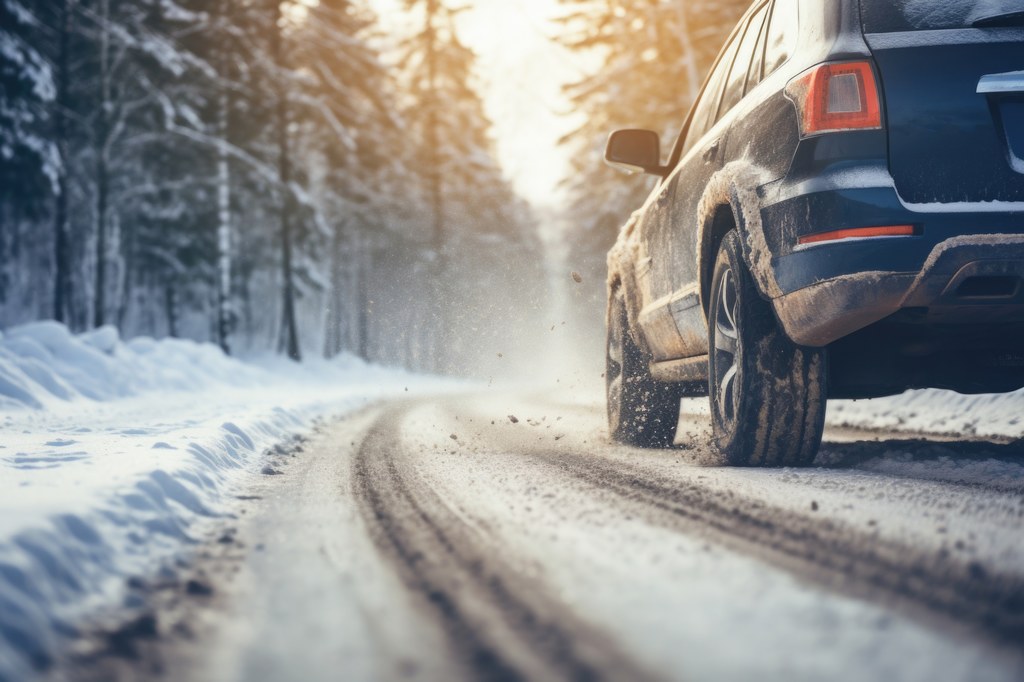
521 71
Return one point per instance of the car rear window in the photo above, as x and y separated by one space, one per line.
888 16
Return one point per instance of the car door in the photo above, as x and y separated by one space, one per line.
654 261
701 156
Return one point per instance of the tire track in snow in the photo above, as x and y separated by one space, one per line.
502 623
835 555
933 586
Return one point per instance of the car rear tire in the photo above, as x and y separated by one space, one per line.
641 411
767 394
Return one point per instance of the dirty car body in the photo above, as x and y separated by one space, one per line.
869 156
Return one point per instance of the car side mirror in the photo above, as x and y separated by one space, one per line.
634 151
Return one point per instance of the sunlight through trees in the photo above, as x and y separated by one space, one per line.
264 175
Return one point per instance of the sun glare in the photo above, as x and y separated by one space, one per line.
296 12
521 71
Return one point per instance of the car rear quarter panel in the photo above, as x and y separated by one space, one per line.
766 132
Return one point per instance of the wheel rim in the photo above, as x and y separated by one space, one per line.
727 348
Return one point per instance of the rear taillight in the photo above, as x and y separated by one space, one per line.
835 97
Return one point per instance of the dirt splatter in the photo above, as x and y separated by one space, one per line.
736 186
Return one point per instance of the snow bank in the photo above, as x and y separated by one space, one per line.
937 412
42 363
113 453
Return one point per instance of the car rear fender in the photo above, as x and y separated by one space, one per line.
736 186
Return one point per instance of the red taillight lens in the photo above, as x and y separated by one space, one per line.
859 233
835 97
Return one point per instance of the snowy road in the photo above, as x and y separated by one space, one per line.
438 539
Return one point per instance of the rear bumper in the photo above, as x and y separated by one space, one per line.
963 267
821 313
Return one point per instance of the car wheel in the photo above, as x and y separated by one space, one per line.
767 394
641 411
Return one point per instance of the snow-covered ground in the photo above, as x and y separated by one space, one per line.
936 412
113 454
115 457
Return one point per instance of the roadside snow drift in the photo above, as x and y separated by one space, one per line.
936 412
112 453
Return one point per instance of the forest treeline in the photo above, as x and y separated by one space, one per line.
290 176
258 173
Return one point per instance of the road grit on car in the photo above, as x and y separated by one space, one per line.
841 216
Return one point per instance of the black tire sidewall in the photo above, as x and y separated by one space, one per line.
645 412
615 327
775 390
729 437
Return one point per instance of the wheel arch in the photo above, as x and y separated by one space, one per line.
731 201
721 223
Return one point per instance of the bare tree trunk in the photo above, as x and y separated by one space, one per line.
7 262
334 321
149 304
223 231
61 250
171 309
102 168
224 311
126 240
364 266
435 174
245 298
290 334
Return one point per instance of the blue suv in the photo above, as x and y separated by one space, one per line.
842 215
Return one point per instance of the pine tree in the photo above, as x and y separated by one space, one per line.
465 189
220 113
654 56
356 142
30 163
28 89
64 27
181 162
